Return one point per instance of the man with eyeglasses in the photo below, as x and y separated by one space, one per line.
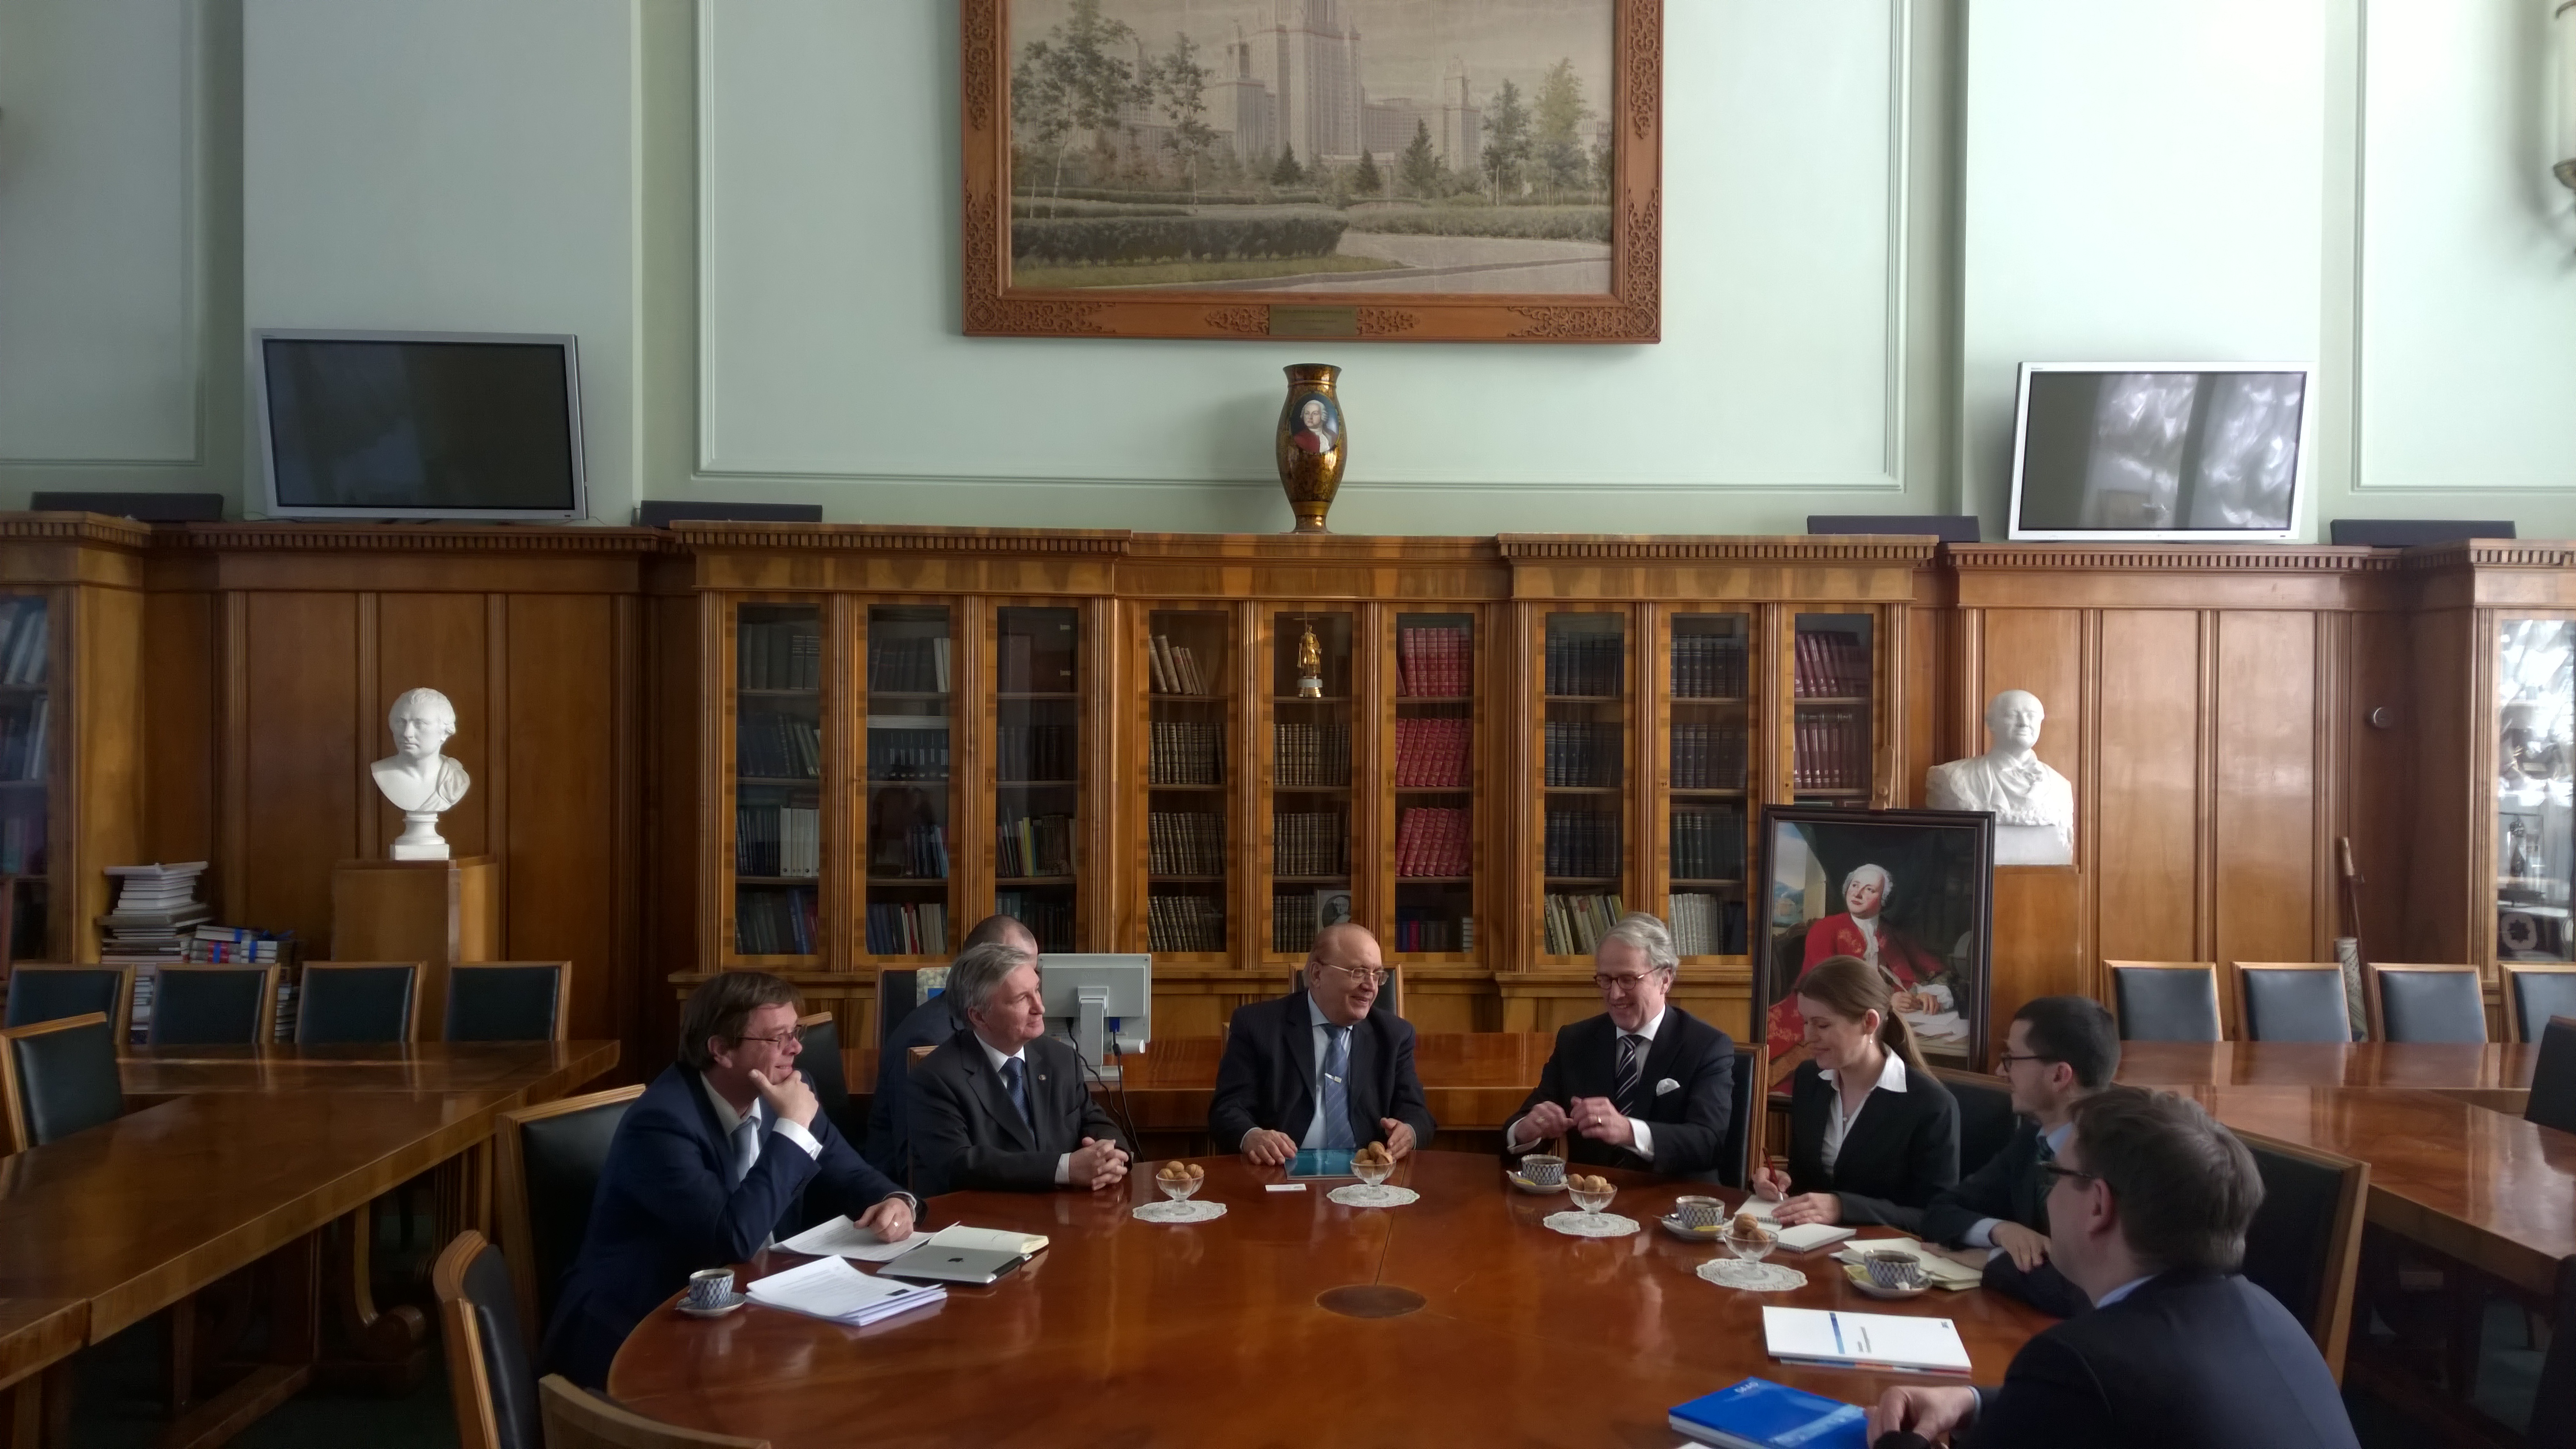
2058 1051
1643 1085
1320 1067
726 1150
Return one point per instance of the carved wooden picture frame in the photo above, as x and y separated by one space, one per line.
1139 257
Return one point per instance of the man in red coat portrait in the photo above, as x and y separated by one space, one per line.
1923 994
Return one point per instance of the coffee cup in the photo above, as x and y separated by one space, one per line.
1698 1212
1893 1270
1543 1170
710 1288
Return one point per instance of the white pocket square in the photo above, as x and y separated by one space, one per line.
1667 1085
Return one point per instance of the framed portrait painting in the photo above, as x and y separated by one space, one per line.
1400 170
1909 891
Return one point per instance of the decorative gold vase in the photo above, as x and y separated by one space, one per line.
1312 443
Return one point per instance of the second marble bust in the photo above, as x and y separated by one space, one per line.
2033 805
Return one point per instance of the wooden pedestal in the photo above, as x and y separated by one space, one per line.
438 912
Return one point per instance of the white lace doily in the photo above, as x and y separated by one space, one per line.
1363 1195
1752 1277
1193 1211
1592 1225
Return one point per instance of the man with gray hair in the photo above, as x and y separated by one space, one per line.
1003 1105
1645 1084
930 1024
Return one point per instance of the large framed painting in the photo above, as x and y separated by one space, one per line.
1910 891
1402 170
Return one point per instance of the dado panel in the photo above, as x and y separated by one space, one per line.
2143 843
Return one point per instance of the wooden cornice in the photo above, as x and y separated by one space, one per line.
887 538
283 537
91 528
1652 548
2168 558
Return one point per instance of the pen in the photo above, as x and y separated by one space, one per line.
1836 1320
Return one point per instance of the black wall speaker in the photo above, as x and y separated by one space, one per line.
141 507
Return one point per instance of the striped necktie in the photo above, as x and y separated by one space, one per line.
1333 1099
1632 1070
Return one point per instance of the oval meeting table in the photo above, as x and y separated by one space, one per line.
1459 1318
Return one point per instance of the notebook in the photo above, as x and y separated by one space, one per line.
990 1240
1322 1162
1808 1237
954 1265
1864 1340
1759 1414
831 1288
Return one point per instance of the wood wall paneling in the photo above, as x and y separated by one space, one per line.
179 725
105 765
2381 761
2037 945
2146 801
301 764
559 893
2265 841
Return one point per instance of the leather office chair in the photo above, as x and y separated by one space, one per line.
821 1060
44 991
357 1001
1986 1121
551 1157
506 1000
2292 1001
2553 1077
2304 1246
577 1419
1736 1154
214 1006
57 1078
491 1377
2165 1000
2533 994
2427 1003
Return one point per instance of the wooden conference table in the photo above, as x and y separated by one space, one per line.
2496 1074
1290 1320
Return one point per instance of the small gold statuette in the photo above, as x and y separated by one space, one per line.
1310 665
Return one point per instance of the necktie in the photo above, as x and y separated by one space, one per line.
1333 1099
1012 1078
746 1147
1632 1069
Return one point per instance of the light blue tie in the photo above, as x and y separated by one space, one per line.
1333 1098
746 1148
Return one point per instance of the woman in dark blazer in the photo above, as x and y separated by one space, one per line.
1873 1135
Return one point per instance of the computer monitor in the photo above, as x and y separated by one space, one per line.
2178 452
1091 998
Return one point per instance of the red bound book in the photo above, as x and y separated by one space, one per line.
1403 753
1459 837
1453 764
1456 683
1404 843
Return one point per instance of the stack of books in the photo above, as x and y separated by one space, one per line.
777 840
905 746
1708 666
1431 842
1576 923
1585 665
1417 929
922 854
1048 917
1184 842
1830 664
908 666
1431 754
780 656
1708 756
778 747
1833 750
1311 754
908 930
156 909
1176 671
1708 842
1035 845
1432 662
778 922
1186 753
1308 843
1582 844
1582 753
1184 923
1029 752
1292 922
1705 925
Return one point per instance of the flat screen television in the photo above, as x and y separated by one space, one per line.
2185 452
420 424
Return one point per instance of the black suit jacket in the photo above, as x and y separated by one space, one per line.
1902 1151
967 1134
2012 1188
889 1144
663 1211
1267 1076
2188 1358
1689 1121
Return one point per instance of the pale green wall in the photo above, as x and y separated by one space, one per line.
1874 209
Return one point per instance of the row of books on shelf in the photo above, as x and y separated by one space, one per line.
1433 661
1574 924
1025 668
777 840
1175 669
1708 842
787 654
1310 754
24 646
1184 923
1705 925
908 666
22 839
1709 666
1048 915
1185 752
919 853
1586 663
775 746
1308 842
1184 842
1431 841
1583 752
1582 844
1709 756
1829 663
1295 917
1035 845
778 921
1433 754
1419 929
1833 750
1031 752
22 738
908 747
919 929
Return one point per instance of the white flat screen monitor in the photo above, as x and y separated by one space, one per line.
1121 983
2183 452
420 425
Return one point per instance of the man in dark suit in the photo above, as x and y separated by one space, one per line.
2147 1217
1318 1068
1001 1104
889 1144
1644 1084
727 1149
2059 1050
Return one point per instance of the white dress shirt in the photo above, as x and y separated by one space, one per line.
1983 1234
730 1121
1028 1084
1891 1078
1641 1136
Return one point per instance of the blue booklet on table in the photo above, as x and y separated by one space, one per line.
1322 1162
1759 1414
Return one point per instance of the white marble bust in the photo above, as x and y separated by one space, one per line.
419 780
2033 805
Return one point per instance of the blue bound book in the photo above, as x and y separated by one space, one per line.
1759 1414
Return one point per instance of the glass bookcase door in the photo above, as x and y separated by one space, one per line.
1037 791
1310 776
910 734
1188 867
1711 699
1435 784
2535 829
26 768
1831 681
778 779
1583 779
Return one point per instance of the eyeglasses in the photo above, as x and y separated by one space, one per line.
794 1034
2004 1062
1371 975
2058 1170
1624 982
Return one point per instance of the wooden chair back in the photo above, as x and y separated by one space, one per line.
2535 991
491 1378
2304 1247
358 1001
507 1001
2165 1000
50 991
539 1240
578 1419
2410 1002
191 1005
2292 1001
57 1078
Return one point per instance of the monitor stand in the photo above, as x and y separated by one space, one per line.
1091 1031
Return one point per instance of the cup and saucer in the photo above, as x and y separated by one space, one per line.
711 1294
1539 1173
1699 1219
1888 1275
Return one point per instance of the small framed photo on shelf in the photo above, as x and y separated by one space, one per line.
1910 891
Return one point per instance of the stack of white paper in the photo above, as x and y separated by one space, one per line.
831 1288
843 1238
1864 1340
